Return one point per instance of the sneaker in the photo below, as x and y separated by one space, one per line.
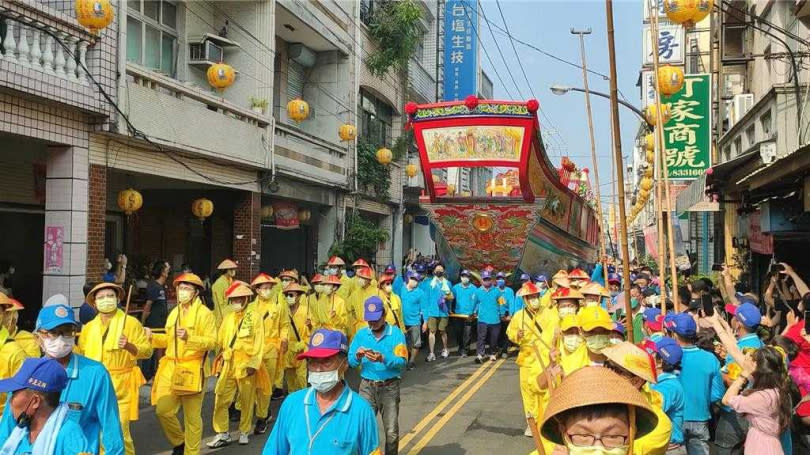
411 366
463 354
528 432
479 359
243 439
493 358
431 357
445 353
220 440
179 450
261 427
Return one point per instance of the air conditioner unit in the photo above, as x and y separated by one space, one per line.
733 85
205 51
740 105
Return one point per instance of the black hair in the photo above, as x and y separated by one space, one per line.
51 398
668 368
594 411
157 268
707 282
684 295
691 339
790 347
88 286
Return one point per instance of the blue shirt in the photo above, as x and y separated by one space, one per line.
487 308
348 427
89 385
464 298
398 285
434 296
671 390
750 340
702 383
69 441
413 301
509 296
392 347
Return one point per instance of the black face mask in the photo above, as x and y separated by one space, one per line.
24 420
438 274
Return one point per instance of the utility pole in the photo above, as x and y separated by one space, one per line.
617 156
595 165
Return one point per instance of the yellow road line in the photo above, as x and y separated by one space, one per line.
443 404
459 404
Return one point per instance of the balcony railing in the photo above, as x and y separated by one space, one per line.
421 82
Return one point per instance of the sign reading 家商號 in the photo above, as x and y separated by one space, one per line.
687 135
460 49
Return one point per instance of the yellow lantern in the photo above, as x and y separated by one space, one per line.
221 76
202 208
649 142
304 215
267 212
347 132
129 201
650 156
646 184
298 110
670 79
648 172
411 171
408 218
94 14
384 156
651 114
687 12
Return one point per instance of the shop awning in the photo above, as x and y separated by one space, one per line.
694 198
787 166
722 171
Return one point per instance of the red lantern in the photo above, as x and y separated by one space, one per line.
411 108
532 105
471 102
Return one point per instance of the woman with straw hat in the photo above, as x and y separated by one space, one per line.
301 327
118 341
393 304
334 305
222 283
596 411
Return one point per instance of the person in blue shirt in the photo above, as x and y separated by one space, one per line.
89 388
439 294
413 303
328 417
398 283
489 312
507 300
701 380
380 351
463 297
668 355
34 402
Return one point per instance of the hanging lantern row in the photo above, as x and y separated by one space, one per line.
202 208
267 212
94 15
687 12
670 79
646 184
411 171
649 142
347 132
130 201
650 156
221 76
651 114
384 156
298 110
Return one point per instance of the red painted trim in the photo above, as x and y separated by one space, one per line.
461 103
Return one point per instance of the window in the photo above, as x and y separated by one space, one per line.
375 120
366 11
152 34
765 121
736 34
419 52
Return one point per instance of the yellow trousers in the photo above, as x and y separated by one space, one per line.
528 391
166 410
123 413
225 393
263 396
296 377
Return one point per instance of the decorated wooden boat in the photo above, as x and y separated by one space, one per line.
493 197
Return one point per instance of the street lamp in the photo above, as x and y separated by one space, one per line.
564 89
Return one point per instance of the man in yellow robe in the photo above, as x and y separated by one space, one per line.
363 289
301 327
12 354
228 268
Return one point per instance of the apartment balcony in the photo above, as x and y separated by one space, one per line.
421 84
210 126
301 155
45 49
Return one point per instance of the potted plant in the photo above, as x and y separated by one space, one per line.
258 105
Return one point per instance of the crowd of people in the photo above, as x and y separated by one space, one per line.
705 368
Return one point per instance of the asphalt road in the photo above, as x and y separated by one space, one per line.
448 407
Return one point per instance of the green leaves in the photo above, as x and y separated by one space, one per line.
363 238
395 27
371 175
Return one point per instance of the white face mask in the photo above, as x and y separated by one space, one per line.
388 288
591 303
572 342
106 304
265 293
237 305
318 288
184 295
290 300
363 282
58 347
323 381
567 310
465 280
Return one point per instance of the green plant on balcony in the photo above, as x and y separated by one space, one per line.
362 239
395 27
403 144
372 177
258 104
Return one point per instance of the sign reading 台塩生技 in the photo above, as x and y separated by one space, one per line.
687 135
460 49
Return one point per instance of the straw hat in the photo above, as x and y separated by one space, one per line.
91 296
227 264
336 261
16 305
528 289
594 288
263 278
360 263
294 287
331 279
317 279
291 274
567 293
593 386
559 275
633 359
578 274
387 278
365 272
238 289
189 278
4 300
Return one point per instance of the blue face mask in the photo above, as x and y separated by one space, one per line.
501 283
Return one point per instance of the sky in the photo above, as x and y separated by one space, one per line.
546 24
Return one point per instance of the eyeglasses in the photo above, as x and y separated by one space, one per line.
290 295
57 332
608 441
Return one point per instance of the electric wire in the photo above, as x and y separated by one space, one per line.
498 47
478 37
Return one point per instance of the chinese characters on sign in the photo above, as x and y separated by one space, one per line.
670 44
647 88
460 49
688 133
662 15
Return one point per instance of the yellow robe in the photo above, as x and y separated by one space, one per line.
11 358
356 309
295 371
221 308
656 441
346 287
531 344
393 306
331 313
28 342
276 321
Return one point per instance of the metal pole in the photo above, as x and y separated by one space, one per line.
617 156
595 165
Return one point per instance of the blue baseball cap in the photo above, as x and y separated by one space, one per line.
415 275
500 275
39 374
669 350
486 275
682 324
325 343
618 327
748 314
745 298
419 267
525 277
373 309
390 268
541 279
466 273
51 317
